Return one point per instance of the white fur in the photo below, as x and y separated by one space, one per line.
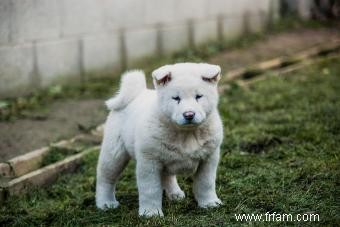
149 126
133 82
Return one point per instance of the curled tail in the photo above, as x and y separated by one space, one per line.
132 84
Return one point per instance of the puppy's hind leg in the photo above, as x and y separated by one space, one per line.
113 159
171 187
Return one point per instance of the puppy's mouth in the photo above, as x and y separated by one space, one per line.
188 124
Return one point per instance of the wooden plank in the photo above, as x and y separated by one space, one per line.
99 131
233 74
5 170
93 139
265 65
28 162
287 70
270 64
45 175
31 161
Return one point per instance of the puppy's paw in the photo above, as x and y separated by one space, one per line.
150 212
210 203
107 205
176 196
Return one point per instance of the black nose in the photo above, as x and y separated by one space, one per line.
189 115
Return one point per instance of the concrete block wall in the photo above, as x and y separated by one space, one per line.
51 41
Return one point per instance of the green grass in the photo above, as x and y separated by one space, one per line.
280 154
60 153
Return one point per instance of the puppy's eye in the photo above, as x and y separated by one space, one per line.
176 98
198 97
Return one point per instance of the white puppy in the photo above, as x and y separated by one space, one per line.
171 130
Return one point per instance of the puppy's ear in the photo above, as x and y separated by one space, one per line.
211 73
161 76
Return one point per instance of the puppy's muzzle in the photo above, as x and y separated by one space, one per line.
189 115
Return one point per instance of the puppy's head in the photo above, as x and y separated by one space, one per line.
187 92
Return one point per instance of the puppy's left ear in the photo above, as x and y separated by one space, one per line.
211 73
161 76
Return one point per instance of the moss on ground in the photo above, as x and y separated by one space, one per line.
280 154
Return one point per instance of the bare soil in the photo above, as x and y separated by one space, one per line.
68 118
61 120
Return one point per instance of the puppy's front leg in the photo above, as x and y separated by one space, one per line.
204 182
149 187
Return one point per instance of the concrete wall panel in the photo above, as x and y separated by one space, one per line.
16 67
43 40
159 11
191 9
124 14
140 43
175 38
220 7
205 31
57 60
4 21
81 16
34 20
101 53
233 27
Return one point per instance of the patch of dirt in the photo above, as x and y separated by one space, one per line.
283 44
62 120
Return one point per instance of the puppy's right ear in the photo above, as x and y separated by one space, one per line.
161 76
